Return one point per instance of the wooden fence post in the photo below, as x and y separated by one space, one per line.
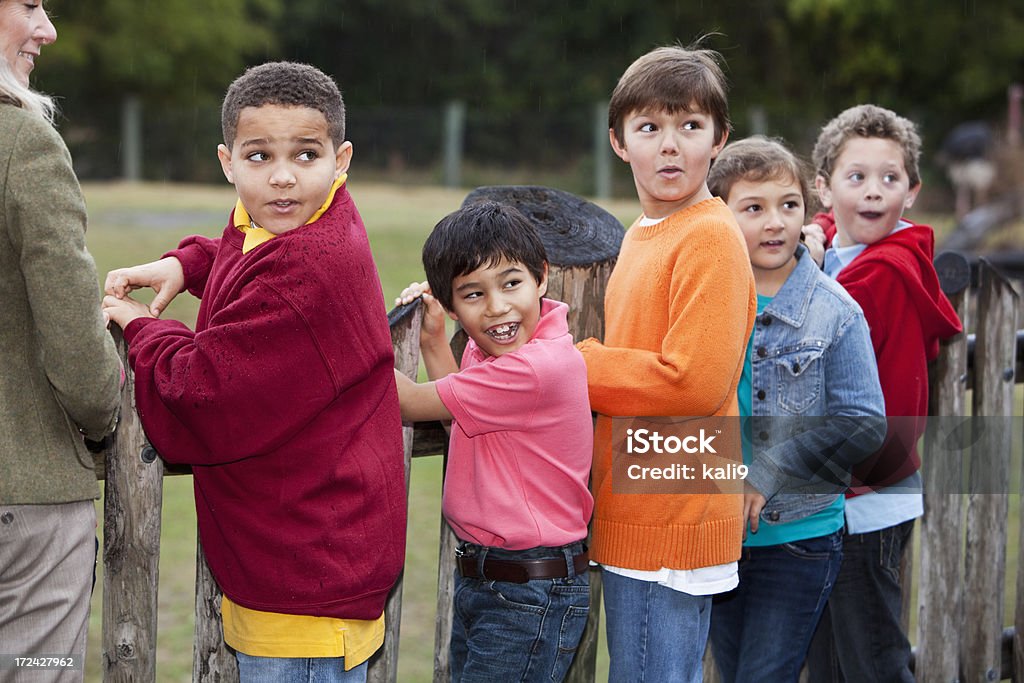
211 658
940 606
405 340
985 568
446 560
445 591
1017 651
131 545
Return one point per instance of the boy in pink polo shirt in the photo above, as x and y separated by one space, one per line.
515 489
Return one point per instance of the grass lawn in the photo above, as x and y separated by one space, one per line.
131 224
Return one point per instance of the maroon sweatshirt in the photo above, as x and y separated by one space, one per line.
895 282
283 400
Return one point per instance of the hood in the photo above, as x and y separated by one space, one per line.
909 254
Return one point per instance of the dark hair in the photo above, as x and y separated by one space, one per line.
672 78
756 159
480 234
867 121
288 84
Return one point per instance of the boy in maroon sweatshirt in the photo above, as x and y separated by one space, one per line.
866 162
283 399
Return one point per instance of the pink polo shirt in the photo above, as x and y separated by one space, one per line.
521 441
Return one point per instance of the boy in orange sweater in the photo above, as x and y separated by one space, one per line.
679 309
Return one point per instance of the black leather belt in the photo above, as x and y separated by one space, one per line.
520 571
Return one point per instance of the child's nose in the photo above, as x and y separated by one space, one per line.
497 305
668 143
282 176
872 189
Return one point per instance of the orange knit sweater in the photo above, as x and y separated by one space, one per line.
679 309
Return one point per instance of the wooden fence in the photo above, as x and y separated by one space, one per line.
960 576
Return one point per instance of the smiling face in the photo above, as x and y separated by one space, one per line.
770 214
24 29
670 154
869 190
283 164
498 305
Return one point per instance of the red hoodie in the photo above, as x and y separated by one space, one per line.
895 282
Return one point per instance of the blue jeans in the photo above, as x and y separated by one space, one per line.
760 631
655 634
860 637
529 631
297 670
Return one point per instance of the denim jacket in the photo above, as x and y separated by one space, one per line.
817 406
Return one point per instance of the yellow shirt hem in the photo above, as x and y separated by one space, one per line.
271 634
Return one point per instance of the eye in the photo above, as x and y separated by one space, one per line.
512 284
691 125
257 156
752 208
308 155
856 176
647 128
792 205
470 296
891 177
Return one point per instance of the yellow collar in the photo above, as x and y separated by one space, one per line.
255 235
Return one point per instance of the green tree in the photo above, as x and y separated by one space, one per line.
940 63
152 54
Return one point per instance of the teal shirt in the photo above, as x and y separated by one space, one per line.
820 523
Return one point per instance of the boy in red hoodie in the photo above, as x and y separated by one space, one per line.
866 162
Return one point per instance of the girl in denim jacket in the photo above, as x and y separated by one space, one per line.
812 408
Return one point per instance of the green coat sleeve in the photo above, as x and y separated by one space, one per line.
46 223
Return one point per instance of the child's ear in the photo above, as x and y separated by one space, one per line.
452 314
911 196
824 191
716 150
542 288
342 159
620 150
224 154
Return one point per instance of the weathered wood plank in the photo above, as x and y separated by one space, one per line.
446 562
445 592
985 559
583 288
131 545
212 661
940 605
1017 639
405 340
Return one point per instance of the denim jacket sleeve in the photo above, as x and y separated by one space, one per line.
814 453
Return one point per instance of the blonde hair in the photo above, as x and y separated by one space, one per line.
12 91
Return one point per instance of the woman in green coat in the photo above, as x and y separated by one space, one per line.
59 371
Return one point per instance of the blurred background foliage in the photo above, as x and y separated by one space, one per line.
530 72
